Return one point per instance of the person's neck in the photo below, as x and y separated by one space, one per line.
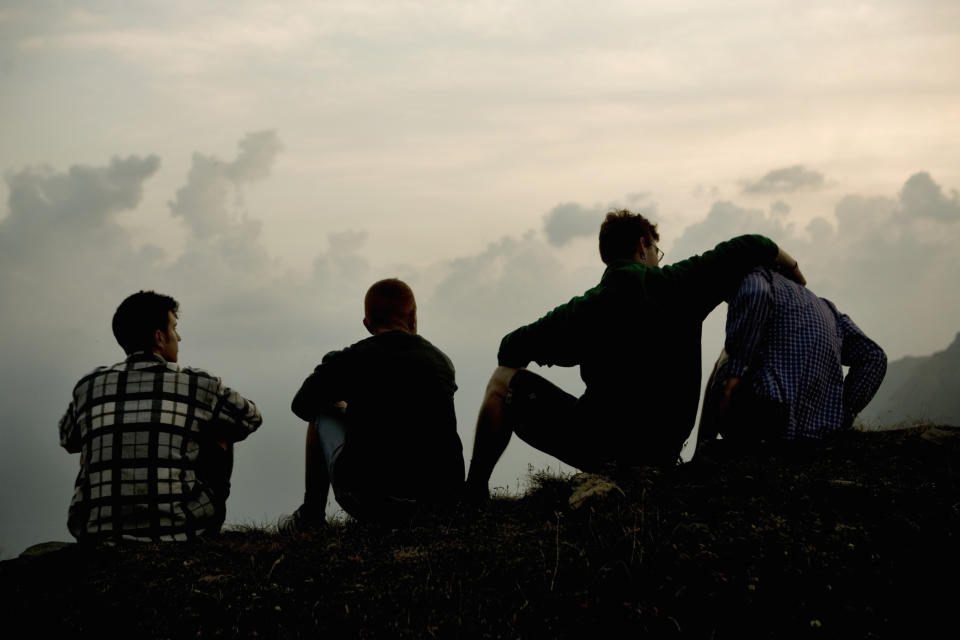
394 327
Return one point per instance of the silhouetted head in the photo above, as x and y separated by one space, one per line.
147 321
629 236
390 306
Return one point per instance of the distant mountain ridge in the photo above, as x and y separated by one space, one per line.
925 388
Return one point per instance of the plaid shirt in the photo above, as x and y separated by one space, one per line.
792 346
139 427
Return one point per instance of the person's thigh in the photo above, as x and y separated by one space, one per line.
544 416
331 431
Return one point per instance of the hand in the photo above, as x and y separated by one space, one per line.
789 267
724 405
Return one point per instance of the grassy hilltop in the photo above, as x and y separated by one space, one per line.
855 539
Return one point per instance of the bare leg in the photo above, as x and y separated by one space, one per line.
316 477
492 434
707 430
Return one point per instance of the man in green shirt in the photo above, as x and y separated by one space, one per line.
636 338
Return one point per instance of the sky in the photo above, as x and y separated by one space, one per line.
264 163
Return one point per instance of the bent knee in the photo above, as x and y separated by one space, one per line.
500 381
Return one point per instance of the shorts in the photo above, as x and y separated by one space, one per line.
548 419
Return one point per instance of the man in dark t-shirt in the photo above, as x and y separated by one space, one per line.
382 426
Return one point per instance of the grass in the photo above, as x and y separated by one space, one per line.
846 540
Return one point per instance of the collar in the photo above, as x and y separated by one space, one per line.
146 356
623 263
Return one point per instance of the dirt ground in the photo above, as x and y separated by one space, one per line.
853 539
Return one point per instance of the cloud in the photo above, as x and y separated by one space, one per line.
571 220
922 197
68 219
785 180
886 260
726 220
343 265
211 201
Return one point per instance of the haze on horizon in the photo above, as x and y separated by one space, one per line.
265 163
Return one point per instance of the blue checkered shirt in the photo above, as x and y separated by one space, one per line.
139 427
792 346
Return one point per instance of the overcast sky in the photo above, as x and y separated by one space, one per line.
265 162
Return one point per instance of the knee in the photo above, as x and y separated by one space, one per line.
500 382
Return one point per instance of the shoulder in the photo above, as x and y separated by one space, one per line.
83 384
429 346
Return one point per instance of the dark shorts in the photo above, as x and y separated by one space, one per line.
215 466
363 502
548 419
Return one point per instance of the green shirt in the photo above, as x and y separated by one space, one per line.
636 338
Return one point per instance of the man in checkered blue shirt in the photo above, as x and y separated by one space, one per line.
155 439
780 376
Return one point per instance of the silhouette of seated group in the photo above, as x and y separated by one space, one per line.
156 439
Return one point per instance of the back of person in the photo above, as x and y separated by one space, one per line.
381 429
402 431
782 365
798 362
155 440
642 345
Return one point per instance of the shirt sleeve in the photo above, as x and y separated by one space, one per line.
706 280
747 317
235 416
868 366
70 431
551 340
320 389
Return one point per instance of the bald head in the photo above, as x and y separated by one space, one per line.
390 306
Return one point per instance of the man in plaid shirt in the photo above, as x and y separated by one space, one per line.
780 375
155 439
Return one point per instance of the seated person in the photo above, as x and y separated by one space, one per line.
780 375
382 426
155 439
636 339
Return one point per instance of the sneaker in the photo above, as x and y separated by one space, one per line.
304 519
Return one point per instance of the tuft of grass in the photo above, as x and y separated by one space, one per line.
848 539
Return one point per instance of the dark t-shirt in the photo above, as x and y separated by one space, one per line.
401 436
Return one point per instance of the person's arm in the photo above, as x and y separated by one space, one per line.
747 316
70 431
786 265
551 340
235 417
704 281
320 390
868 366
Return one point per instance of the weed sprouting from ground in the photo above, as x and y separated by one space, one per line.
849 539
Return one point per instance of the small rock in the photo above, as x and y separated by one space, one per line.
591 485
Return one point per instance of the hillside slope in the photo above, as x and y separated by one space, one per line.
925 389
856 539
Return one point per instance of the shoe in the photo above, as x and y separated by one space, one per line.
305 518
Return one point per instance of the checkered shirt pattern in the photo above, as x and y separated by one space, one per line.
138 426
792 346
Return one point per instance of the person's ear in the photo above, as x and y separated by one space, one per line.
159 338
369 327
412 320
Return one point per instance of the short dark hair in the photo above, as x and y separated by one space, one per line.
139 316
388 302
621 232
